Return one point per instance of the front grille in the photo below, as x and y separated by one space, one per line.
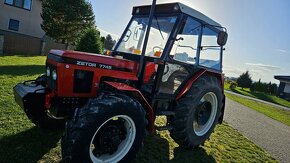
83 81
52 84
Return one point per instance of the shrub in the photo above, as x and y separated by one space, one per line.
245 80
90 42
264 87
233 85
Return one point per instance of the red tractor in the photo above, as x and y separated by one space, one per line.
167 62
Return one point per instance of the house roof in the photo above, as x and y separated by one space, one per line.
284 78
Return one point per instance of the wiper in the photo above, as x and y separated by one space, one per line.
159 27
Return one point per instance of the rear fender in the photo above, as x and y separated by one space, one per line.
199 74
126 88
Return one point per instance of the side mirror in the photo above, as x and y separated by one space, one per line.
222 38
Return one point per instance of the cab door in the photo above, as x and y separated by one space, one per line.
181 61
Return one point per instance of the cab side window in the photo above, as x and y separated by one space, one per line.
185 45
210 50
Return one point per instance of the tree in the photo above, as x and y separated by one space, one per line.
109 42
273 88
90 42
66 20
103 40
245 80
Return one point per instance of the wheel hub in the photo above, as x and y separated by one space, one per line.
109 138
203 113
113 139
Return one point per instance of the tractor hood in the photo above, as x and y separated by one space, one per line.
93 60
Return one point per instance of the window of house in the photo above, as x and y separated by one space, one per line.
13 25
25 4
10 2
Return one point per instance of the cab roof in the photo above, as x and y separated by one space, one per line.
169 8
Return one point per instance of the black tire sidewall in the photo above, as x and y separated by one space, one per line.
197 140
186 107
93 119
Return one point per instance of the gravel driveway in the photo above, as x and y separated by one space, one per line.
269 134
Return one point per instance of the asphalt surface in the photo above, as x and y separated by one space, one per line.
269 134
258 100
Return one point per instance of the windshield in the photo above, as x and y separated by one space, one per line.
133 40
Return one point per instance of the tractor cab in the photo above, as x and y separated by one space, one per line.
180 41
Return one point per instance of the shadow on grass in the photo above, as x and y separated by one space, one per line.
157 149
28 146
19 70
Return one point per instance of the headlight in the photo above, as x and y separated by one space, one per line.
54 75
47 71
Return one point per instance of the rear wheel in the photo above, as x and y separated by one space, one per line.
108 129
197 112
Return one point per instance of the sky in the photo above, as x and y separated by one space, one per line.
259 31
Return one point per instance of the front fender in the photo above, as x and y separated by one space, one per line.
126 88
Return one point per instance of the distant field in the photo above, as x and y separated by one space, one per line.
259 95
21 141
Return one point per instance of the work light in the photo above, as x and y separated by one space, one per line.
47 71
54 75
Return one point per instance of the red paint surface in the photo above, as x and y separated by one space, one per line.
48 98
219 76
189 84
66 75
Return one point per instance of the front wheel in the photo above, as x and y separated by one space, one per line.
198 112
108 129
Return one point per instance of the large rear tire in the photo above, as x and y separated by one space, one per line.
197 113
109 128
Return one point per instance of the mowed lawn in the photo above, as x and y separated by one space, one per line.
259 95
21 141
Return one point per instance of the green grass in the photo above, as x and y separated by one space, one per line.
21 141
278 114
258 95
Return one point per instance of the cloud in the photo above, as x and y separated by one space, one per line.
263 67
105 33
281 50
232 71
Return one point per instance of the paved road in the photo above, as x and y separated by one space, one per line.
269 134
255 99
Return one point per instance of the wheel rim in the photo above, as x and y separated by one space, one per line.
205 114
121 144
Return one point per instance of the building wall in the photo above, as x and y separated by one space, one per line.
287 88
30 38
284 90
29 20
20 44
27 40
